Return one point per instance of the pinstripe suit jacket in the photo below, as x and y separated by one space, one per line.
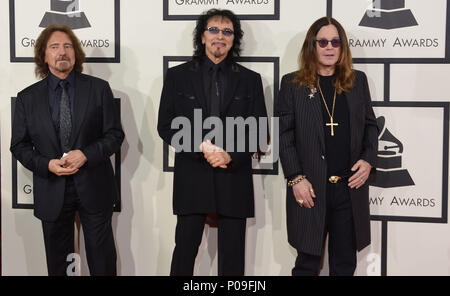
302 151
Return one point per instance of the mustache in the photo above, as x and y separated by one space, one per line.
63 58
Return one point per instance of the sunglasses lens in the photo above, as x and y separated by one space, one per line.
335 42
227 32
213 30
323 43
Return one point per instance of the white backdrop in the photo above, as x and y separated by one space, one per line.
408 83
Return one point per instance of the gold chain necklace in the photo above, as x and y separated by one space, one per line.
331 124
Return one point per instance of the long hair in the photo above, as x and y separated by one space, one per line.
42 69
202 21
307 76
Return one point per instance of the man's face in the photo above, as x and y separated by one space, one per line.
327 56
218 45
59 54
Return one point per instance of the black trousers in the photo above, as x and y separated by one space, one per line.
231 245
341 237
98 236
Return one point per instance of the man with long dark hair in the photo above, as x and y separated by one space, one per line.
64 130
211 178
328 146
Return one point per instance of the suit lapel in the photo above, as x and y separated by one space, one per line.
315 104
43 108
81 101
232 81
352 109
196 80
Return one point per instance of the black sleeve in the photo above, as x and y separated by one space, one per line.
258 111
22 146
370 141
284 109
113 135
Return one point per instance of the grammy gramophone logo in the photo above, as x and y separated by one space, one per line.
389 160
388 14
65 12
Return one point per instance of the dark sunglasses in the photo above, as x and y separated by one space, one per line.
324 43
226 32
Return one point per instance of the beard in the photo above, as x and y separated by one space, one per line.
218 53
219 49
63 65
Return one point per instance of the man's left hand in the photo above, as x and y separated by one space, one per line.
362 170
75 159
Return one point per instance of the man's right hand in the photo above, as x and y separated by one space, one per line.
305 192
56 166
216 156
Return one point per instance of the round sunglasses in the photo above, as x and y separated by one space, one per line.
214 30
324 42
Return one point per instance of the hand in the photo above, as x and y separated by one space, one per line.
74 159
57 167
305 192
358 179
216 156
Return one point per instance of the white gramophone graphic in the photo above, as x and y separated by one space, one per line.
65 12
389 160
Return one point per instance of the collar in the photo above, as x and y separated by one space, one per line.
208 64
329 77
54 81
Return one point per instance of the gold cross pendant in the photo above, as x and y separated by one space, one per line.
332 125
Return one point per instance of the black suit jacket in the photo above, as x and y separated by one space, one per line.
197 187
302 150
96 131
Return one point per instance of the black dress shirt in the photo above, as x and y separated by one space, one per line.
207 70
54 96
54 99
